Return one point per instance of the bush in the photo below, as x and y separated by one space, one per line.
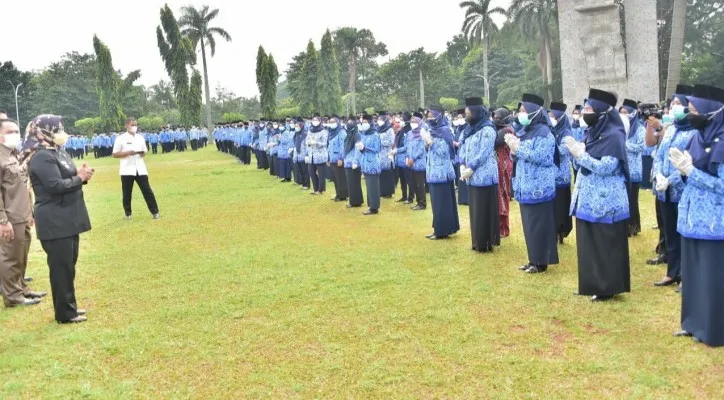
150 123
233 117
89 126
449 104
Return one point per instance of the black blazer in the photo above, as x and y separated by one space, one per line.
60 210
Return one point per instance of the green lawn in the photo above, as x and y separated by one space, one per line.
249 288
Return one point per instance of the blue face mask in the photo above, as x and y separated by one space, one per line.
364 127
678 111
525 119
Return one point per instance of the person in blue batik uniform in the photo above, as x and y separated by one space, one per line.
285 152
399 153
562 130
668 180
336 138
701 219
634 150
600 200
416 160
369 162
317 155
479 173
440 175
352 173
534 184
387 140
301 171
460 125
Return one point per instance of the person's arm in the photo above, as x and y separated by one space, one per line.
47 171
486 143
144 149
606 166
117 153
6 228
653 138
538 150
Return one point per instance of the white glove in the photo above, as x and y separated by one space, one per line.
426 137
391 157
662 183
465 173
576 148
682 161
512 142
355 166
360 146
291 150
307 160
393 152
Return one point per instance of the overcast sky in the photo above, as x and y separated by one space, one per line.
40 31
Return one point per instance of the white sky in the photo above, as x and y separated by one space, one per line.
38 32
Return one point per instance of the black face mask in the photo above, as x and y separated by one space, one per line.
590 118
351 126
698 121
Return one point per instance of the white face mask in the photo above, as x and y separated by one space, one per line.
380 122
554 121
364 127
60 138
333 125
414 125
12 140
402 124
134 129
275 126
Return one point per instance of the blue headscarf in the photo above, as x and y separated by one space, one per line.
480 119
299 137
439 128
682 124
560 131
710 138
636 121
540 125
607 137
334 132
416 132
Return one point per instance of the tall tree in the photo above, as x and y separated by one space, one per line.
108 89
479 28
260 60
10 74
294 76
309 101
270 75
533 18
177 52
676 47
329 92
195 25
354 44
195 104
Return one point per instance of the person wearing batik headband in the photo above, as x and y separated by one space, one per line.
459 124
534 184
387 139
600 200
440 175
635 147
369 162
60 210
561 130
300 169
337 136
701 218
317 155
399 153
416 159
479 169
352 173
501 119
669 183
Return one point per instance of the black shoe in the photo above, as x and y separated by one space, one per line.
599 298
430 235
407 202
682 333
25 302
28 279
418 208
536 269
435 237
370 212
560 238
76 320
658 260
668 282
402 200
525 267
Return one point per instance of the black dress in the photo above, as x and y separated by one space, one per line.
702 290
484 217
445 221
539 231
603 261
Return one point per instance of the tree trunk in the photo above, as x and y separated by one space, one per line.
545 62
485 70
353 80
678 19
209 124
422 91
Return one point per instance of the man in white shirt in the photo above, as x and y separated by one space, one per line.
130 147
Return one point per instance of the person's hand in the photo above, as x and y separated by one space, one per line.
577 149
682 161
393 152
465 173
653 122
391 157
31 223
307 160
355 166
7 232
456 144
291 150
340 163
85 173
328 164
662 183
360 146
512 142
409 162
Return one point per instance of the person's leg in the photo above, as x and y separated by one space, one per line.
127 187
148 195
61 262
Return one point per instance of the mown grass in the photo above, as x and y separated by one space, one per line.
249 288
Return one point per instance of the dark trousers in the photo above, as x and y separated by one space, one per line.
62 257
401 175
285 168
670 214
154 148
318 172
372 182
418 178
340 182
661 246
246 155
194 144
127 185
303 172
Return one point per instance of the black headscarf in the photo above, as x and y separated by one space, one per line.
607 137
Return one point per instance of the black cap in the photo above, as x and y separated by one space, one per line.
630 103
406 116
533 98
437 107
604 96
708 92
316 115
366 117
473 101
335 116
418 114
578 107
556 106
685 90
381 112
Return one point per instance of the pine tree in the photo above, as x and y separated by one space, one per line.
270 76
309 101
194 100
260 60
107 86
329 91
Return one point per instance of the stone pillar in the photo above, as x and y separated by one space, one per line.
642 50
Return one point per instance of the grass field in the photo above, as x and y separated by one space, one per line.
249 288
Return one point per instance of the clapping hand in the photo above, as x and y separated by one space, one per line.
85 173
465 173
360 146
512 142
682 161
662 183
576 148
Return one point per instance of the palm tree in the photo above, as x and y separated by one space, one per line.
356 43
195 25
676 47
533 17
479 28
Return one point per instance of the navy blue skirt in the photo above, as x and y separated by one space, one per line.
702 290
539 229
445 221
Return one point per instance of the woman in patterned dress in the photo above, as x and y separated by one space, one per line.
600 200
505 168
